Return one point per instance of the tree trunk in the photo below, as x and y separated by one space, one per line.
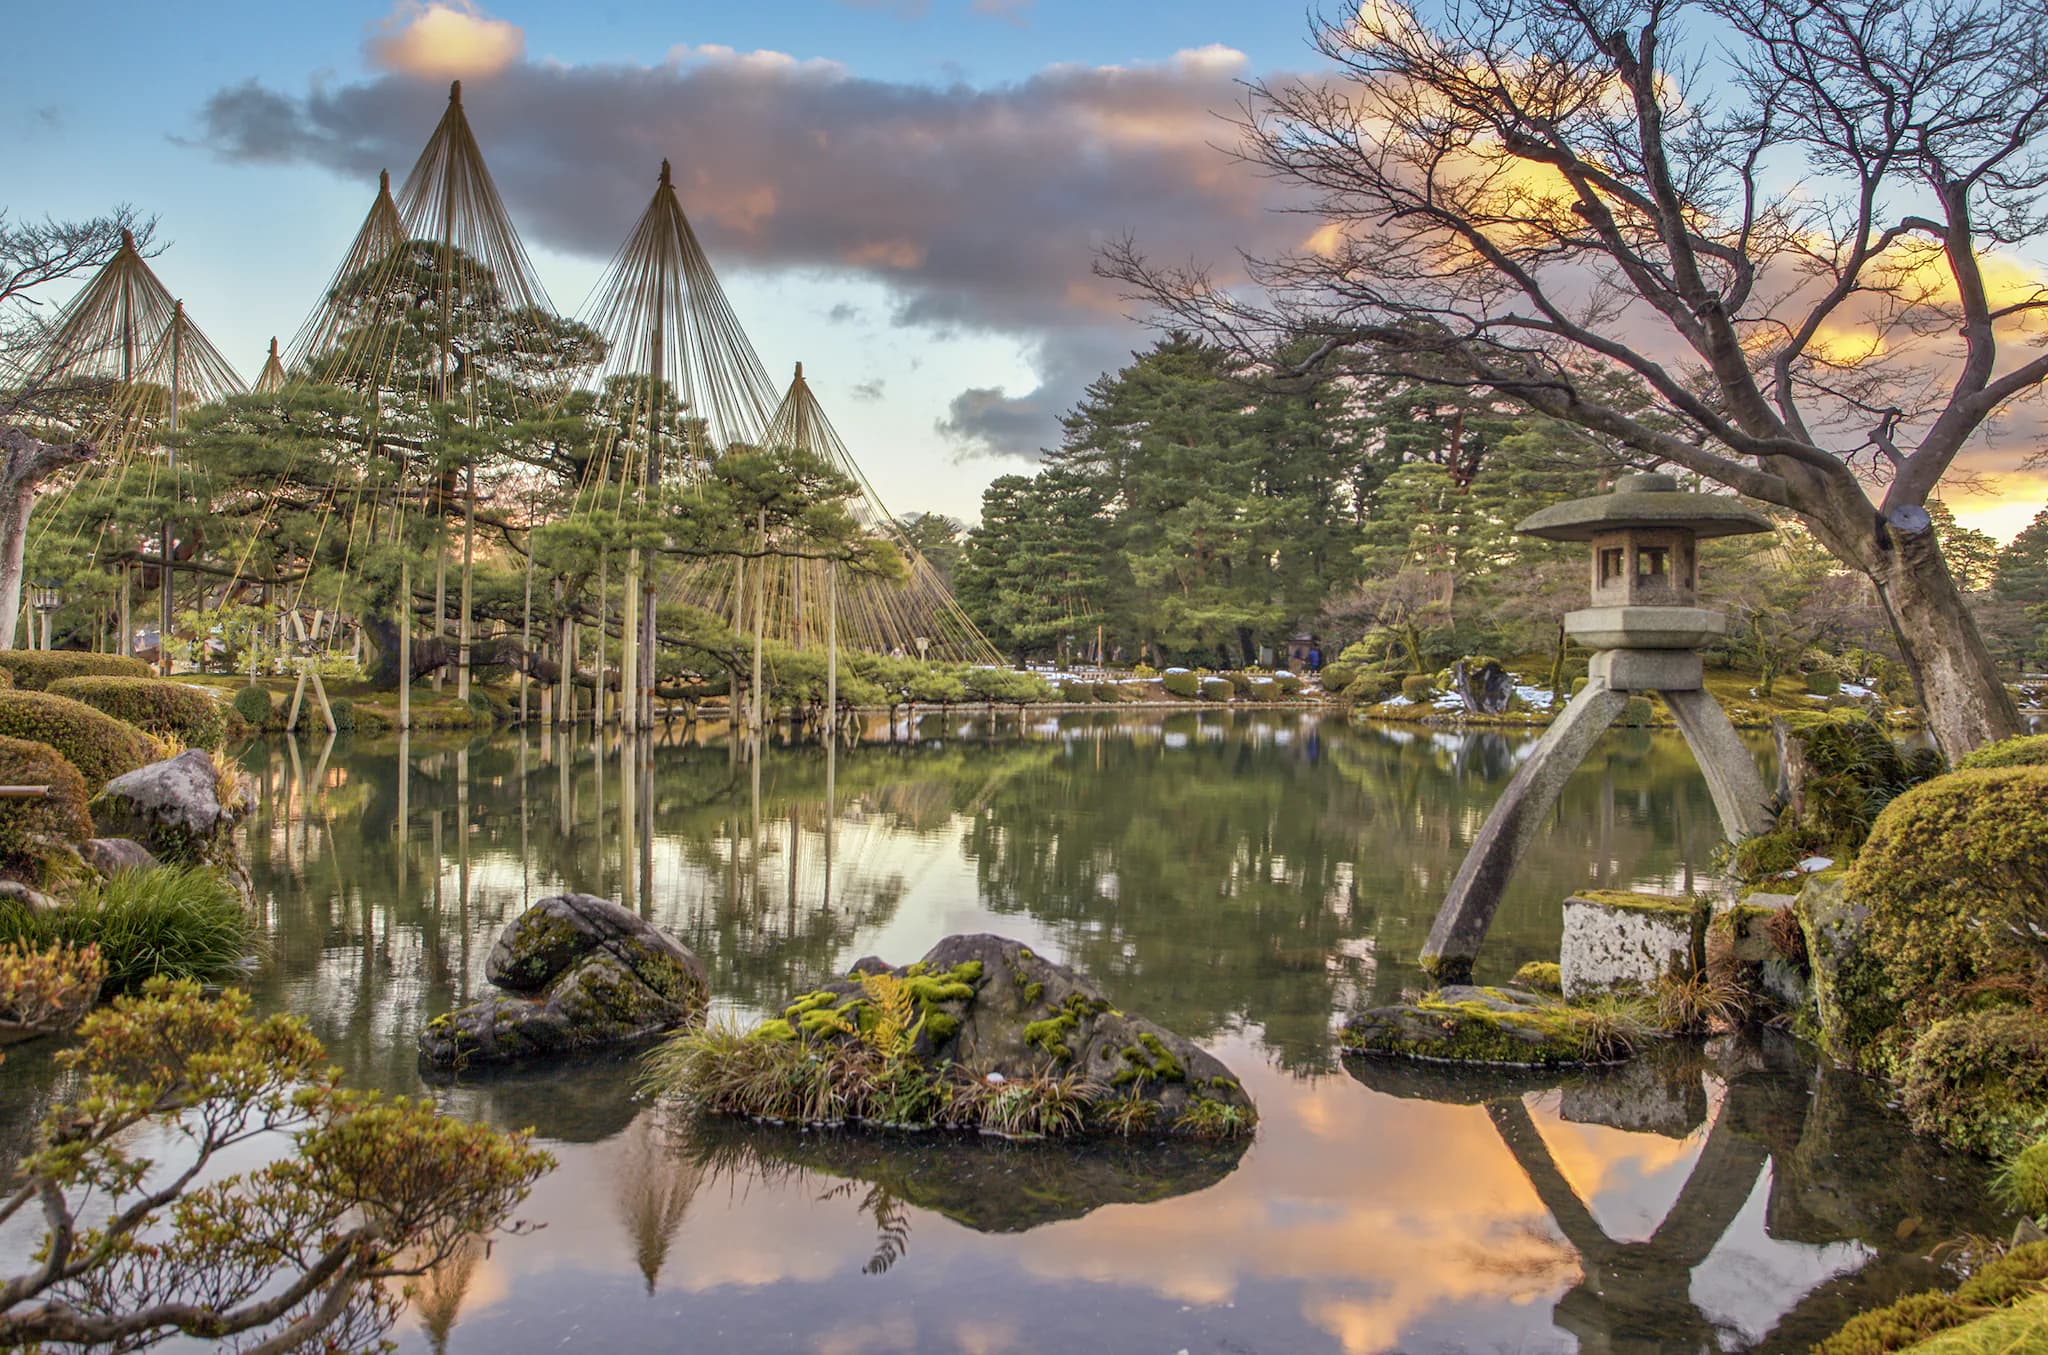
25 462
1953 672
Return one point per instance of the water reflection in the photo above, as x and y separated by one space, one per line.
1236 877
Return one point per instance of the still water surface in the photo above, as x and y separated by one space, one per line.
1242 878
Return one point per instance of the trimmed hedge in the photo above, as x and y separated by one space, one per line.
33 670
1955 875
1288 683
100 746
1369 689
24 762
1183 684
253 704
1241 683
1637 711
2028 750
1338 676
1418 687
1217 689
1824 683
153 705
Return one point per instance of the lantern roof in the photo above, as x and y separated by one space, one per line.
1644 500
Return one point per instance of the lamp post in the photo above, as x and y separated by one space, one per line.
924 645
46 598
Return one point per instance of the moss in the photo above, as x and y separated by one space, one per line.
33 670
1646 903
1148 1061
190 715
100 746
1979 1080
2019 1330
1896 1326
1419 687
1051 1033
1543 975
1918 1322
1955 875
772 1030
26 825
2023 1181
2028 750
1549 1034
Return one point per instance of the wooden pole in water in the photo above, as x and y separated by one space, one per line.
600 694
468 570
760 621
831 655
404 645
168 610
440 607
526 637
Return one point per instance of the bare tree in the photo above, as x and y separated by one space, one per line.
34 255
1779 219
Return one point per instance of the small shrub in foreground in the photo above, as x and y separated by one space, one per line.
1979 1080
32 670
178 922
46 989
307 1251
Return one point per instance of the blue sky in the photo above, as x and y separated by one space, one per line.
254 239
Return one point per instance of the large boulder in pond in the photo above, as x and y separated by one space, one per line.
578 972
993 1006
181 810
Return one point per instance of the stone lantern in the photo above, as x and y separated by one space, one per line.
1645 626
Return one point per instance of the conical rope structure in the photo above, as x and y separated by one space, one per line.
270 380
123 363
915 616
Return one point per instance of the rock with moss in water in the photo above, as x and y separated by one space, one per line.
577 973
981 1033
1504 1027
1616 941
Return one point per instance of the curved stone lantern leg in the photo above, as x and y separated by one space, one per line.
1740 796
1520 813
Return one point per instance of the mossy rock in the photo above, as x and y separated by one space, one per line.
98 745
33 670
578 973
1418 688
1853 1007
1542 976
1500 1027
1979 1080
191 715
28 827
175 808
1955 875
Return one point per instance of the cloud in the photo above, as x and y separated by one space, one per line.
870 390
977 209
843 313
443 39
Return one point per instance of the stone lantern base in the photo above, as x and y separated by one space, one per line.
1740 797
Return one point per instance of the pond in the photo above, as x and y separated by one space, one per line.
1243 878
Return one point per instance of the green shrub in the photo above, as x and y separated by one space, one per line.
1418 688
100 746
480 709
182 922
1183 684
1854 768
188 714
1104 692
1338 676
2016 1275
1979 1080
1240 683
344 712
1369 689
1216 689
6 679
1579 685
1287 683
253 705
2028 750
32 670
1955 876
1903 1325
24 824
1824 683
1073 691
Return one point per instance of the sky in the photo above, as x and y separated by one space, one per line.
905 195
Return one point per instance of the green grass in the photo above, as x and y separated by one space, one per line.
181 922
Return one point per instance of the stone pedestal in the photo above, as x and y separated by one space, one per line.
1616 942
